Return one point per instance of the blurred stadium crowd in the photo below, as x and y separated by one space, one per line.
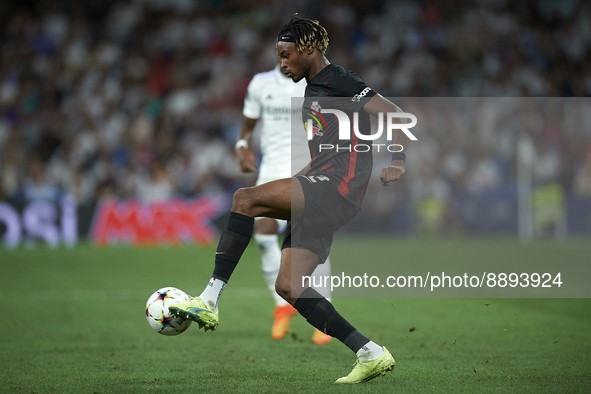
143 98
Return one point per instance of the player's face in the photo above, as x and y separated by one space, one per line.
294 64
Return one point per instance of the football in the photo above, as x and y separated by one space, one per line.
159 318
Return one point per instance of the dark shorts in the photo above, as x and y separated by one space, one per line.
325 212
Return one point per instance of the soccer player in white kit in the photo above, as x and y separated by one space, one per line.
269 99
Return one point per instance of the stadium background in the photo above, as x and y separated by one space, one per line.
132 103
142 100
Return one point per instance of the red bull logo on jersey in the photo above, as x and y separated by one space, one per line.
316 124
315 131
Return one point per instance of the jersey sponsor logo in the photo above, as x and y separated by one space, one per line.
361 95
270 110
318 128
312 130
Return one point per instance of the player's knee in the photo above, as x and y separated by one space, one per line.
283 288
243 201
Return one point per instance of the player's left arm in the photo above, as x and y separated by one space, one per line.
374 106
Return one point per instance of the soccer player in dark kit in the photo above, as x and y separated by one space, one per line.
324 196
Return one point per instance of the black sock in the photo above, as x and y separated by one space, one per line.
321 314
233 242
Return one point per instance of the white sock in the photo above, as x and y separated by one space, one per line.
370 351
213 291
270 255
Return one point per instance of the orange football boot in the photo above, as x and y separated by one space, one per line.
320 338
283 315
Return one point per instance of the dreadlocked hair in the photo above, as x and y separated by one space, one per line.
308 33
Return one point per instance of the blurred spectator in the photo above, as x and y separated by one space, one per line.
156 185
583 179
10 175
142 98
37 186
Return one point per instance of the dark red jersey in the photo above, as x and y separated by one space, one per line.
347 163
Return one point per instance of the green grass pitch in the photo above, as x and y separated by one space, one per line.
73 322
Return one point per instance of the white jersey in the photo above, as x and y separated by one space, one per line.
269 99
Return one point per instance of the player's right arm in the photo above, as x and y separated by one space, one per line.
397 169
244 151
251 112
